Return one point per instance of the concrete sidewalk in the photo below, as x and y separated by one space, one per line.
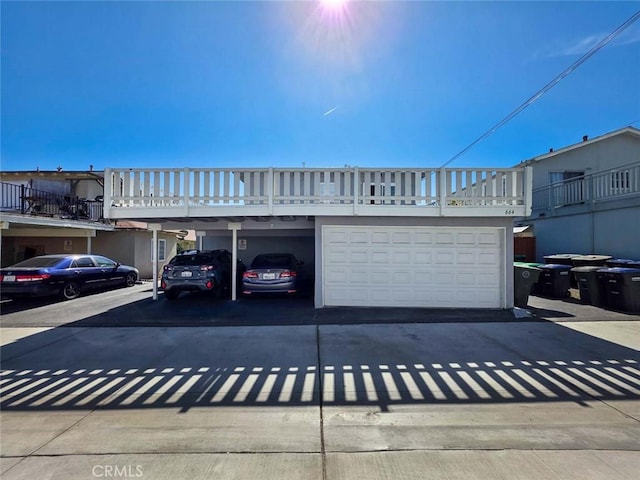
531 400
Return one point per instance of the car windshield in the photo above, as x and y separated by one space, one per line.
192 260
272 261
39 262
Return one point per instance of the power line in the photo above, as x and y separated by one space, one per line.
548 86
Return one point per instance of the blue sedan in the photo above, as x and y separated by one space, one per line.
64 275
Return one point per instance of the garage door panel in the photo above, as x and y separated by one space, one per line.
412 266
444 258
444 238
465 239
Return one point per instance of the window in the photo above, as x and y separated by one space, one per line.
104 262
162 250
83 262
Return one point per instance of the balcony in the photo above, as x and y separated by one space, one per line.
200 193
27 201
600 190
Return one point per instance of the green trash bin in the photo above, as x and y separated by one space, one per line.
590 286
525 276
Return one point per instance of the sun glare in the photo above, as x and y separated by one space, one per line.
333 4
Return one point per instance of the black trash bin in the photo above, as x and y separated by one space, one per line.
561 258
525 276
622 288
554 280
590 286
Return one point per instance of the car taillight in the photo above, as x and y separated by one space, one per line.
32 278
205 268
250 275
288 274
1 277
168 268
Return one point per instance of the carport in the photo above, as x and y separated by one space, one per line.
383 237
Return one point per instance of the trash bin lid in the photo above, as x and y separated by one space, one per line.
620 270
555 266
589 268
526 265
559 256
591 258
622 260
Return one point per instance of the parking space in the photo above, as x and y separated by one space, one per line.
334 401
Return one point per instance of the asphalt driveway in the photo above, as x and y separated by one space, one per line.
346 396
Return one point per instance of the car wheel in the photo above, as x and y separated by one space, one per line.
171 294
130 279
70 290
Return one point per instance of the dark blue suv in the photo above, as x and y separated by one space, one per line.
198 271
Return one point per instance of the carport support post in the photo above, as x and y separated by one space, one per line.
90 233
155 228
3 226
200 236
234 227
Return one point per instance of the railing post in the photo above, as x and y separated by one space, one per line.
270 190
442 189
356 190
187 187
528 190
107 193
22 200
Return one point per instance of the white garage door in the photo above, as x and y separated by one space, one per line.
413 266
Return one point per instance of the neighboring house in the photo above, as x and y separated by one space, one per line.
49 212
369 237
586 197
131 244
45 212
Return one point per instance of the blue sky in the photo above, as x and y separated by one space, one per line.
235 83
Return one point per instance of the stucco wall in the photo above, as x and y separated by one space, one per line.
298 242
611 232
15 248
132 247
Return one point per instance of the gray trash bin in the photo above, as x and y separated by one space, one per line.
561 258
590 260
589 285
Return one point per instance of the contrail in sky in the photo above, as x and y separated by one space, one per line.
329 111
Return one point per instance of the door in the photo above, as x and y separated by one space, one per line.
413 266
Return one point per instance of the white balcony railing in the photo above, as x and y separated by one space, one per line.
203 192
603 186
